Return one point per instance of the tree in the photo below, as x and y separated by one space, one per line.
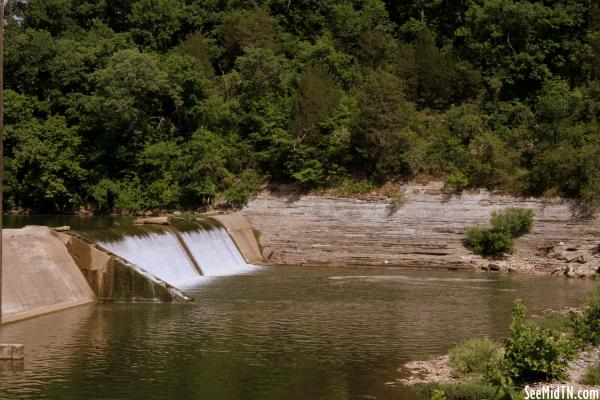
315 96
248 28
43 166
382 134
157 24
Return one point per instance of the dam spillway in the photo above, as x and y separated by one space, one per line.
212 248
179 254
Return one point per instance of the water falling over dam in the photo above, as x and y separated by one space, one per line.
179 254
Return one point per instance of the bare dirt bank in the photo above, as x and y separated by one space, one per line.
426 230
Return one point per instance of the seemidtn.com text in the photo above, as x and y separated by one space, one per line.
556 392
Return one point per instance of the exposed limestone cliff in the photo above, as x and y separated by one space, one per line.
426 230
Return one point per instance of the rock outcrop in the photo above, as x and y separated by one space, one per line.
427 230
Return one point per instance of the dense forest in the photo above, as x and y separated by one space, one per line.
122 105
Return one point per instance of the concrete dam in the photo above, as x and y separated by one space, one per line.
47 270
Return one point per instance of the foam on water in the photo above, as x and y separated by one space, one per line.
408 279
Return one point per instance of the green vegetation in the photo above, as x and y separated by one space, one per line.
592 375
536 350
558 321
475 356
465 391
514 221
187 104
533 353
489 241
586 325
456 181
506 225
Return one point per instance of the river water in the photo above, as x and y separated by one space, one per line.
275 333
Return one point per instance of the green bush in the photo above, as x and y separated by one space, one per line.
488 241
506 225
532 353
586 326
474 356
515 221
456 181
592 375
351 187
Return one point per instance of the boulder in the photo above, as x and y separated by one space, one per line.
496 267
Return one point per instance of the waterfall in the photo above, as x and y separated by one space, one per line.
179 254
214 250
157 251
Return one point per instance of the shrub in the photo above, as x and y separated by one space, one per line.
350 187
515 221
456 181
474 356
506 225
395 202
532 353
586 326
592 375
489 241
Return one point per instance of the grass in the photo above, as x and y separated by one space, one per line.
592 375
463 391
554 320
474 356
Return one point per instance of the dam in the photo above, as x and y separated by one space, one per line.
47 270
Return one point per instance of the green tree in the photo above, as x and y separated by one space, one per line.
382 132
43 166
247 28
157 24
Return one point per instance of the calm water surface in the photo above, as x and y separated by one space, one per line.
74 221
279 333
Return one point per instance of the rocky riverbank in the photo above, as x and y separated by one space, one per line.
425 229
438 370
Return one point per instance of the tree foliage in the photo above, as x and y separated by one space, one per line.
116 105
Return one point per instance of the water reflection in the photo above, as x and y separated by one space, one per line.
74 221
280 333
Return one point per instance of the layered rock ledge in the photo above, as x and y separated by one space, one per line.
426 230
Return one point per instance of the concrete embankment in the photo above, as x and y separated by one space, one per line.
39 276
243 236
425 230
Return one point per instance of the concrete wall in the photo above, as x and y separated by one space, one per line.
428 229
243 236
39 275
